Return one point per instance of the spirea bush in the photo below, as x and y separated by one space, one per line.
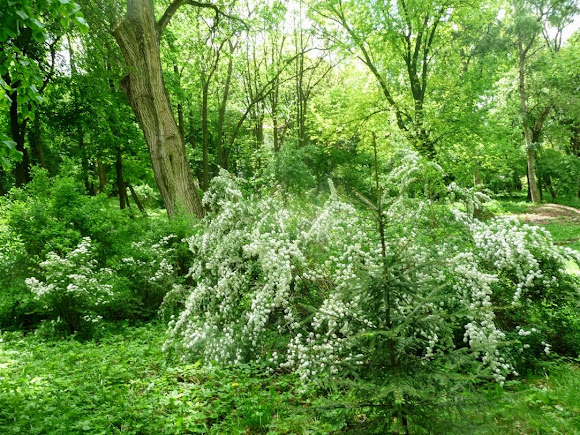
148 272
408 285
73 290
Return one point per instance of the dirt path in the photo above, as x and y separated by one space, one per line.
549 213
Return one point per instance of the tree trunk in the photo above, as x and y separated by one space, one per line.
17 129
180 122
222 107
145 89
533 187
121 186
101 173
205 134
35 140
136 199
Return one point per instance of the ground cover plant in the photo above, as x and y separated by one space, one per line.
125 384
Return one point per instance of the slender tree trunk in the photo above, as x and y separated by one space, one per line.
121 186
102 174
223 106
205 134
22 168
35 140
89 187
136 199
532 183
145 89
551 187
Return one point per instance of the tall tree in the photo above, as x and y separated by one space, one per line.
138 36
533 19
399 41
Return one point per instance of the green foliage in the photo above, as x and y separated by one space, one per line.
124 384
51 218
73 289
562 172
288 169
20 73
445 295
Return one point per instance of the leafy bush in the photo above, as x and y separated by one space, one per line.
17 307
52 217
73 289
148 271
424 292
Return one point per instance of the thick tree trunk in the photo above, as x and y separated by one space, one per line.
145 89
180 122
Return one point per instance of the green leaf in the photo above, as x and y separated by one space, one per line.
22 14
37 24
82 24
10 144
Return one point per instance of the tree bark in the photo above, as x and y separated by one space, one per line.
102 174
223 105
145 89
205 133
136 199
121 186
35 140
22 168
532 183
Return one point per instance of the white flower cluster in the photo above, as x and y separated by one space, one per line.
471 198
150 261
74 279
257 264
244 273
520 252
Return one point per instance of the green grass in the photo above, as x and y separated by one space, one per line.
125 384
547 403
565 233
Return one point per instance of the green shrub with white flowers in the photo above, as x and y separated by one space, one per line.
73 290
325 292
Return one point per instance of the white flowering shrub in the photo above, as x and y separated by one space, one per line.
73 288
472 199
148 271
327 293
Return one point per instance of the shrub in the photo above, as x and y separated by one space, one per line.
397 305
73 289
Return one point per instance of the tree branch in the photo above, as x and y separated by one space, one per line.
176 4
